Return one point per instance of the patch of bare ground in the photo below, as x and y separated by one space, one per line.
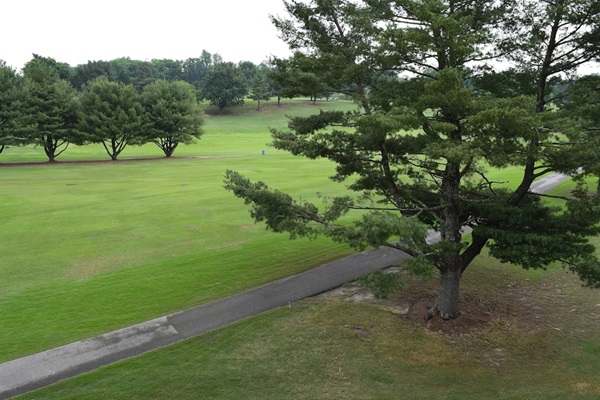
89 267
510 322
556 303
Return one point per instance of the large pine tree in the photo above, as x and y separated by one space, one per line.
419 148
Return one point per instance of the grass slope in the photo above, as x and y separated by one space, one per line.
88 248
529 339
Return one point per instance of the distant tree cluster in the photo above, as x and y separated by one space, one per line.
51 104
41 107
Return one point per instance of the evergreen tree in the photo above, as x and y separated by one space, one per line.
259 89
581 107
12 96
49 109
173 114
111 113
417 149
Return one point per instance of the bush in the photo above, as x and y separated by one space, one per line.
382 284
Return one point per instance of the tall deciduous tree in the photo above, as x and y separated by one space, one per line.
111 113
173 114
91 70
49 109
170 70
224 86
249 70
417 149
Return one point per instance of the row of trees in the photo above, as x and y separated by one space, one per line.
43 109
223 84
40 104
282 78
419 150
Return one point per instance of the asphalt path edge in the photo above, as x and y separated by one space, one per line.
32 372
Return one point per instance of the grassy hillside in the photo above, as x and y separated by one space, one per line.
523 335
88 248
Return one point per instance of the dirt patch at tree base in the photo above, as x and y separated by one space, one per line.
556 303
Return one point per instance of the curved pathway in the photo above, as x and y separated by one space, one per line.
38 370
35 371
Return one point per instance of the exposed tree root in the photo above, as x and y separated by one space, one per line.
433 311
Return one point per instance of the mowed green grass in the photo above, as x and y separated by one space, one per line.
98 246
240 130
540 342
88 248
311 350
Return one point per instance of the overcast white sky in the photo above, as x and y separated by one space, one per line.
74 31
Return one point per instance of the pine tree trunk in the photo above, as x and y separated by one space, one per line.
49 148
447 302
451 263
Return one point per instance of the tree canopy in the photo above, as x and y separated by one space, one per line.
581 107
418 149
173 114
224 86
259 88
47 117
12 96
111 113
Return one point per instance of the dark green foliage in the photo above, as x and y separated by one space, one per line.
84 73
170 70
12 97
133 72
534 235
173 114
382 284
224 86
296 77
141 73
508 83
259 89
60 69
49 109
417 148
249 70
111 113
195 69
581 107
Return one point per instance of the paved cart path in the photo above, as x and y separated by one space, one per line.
41 369
38 370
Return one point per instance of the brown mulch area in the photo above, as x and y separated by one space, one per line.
558 303
488 299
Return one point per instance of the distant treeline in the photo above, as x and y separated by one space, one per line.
121 102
